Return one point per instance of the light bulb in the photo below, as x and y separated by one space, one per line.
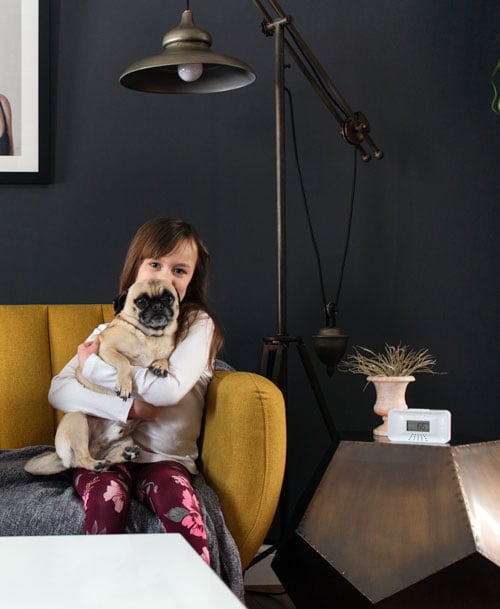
190 71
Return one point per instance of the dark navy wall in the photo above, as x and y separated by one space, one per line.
423 262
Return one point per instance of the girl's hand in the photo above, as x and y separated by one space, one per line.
143 410
85 350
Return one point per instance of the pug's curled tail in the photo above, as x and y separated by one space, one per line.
45 464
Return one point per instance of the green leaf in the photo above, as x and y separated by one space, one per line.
177 514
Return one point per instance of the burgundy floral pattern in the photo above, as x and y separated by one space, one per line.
189 514
162 486
116 492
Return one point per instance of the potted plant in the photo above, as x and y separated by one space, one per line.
390 372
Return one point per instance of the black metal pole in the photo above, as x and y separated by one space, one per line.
279 93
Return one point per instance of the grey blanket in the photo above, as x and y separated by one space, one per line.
48 505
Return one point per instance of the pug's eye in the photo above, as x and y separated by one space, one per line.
167 298
142 303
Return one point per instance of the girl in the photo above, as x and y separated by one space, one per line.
171 408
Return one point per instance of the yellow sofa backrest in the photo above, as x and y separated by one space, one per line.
36 341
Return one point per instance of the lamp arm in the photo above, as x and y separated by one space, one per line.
355 126
347 123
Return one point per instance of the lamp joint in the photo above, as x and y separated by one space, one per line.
269 27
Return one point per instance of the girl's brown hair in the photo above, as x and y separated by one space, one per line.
157 238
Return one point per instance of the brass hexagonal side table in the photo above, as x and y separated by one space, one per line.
399 526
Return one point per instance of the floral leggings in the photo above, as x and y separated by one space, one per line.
164 487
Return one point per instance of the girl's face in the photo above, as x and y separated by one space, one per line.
178 267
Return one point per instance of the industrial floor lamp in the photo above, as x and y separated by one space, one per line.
330 344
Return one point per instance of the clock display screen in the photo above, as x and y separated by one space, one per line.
424 426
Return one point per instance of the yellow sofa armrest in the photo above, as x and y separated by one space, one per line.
244 452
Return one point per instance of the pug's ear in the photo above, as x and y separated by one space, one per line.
119 302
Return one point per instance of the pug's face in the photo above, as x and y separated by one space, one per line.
153 304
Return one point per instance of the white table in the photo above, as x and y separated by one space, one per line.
103 571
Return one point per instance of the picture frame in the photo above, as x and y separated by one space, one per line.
24 91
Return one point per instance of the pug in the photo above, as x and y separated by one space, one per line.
142 333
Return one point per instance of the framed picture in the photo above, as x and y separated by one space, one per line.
24 91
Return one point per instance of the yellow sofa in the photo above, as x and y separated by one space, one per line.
244 439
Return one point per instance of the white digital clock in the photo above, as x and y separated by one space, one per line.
420 426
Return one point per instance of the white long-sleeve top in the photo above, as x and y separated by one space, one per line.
172 436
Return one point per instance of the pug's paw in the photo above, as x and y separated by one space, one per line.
101 466
159 367
131 452
124 388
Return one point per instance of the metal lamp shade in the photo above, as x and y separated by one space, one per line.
187 44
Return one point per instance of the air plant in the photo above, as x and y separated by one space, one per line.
397 360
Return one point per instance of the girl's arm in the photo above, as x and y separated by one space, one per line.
68 395
187 364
